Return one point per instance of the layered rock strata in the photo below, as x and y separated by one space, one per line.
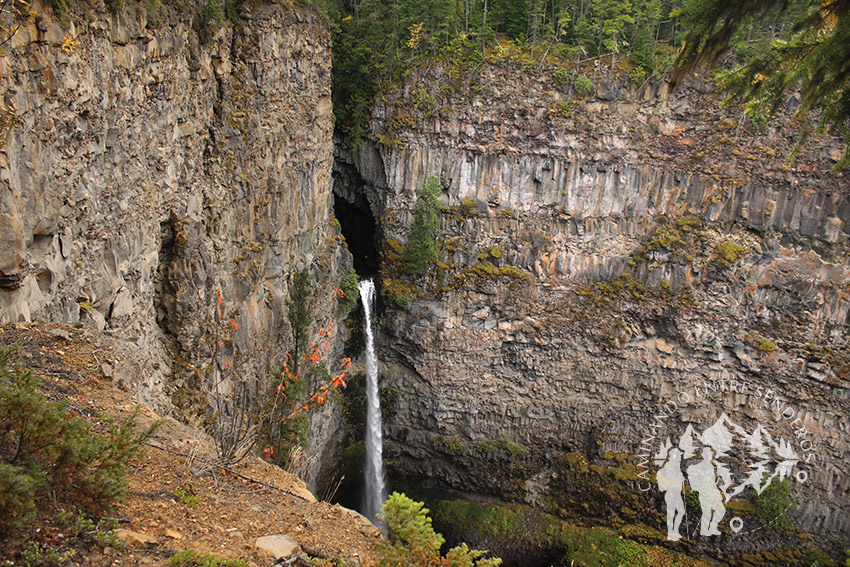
163 182
598 257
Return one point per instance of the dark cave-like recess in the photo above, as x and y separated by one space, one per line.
359 229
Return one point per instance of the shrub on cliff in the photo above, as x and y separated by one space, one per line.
350 291
43 449
582 86
774 504
299 315
422 247
411 540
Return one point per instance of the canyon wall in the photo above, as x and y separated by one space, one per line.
600 256
164 181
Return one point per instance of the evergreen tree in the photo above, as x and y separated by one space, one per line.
612 18
813 57
299 316
412 542
510 17
422 236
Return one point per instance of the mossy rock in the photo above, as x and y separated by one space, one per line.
764 345
514 272
642 533
394 250
577 462
485 269
399 292
450 246
728 252
467 208
689 223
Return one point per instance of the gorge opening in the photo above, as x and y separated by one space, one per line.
359 229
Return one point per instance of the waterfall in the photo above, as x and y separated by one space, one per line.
376 491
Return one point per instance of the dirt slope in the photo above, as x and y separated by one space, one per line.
233 508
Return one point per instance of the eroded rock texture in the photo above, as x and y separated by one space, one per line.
598 257
152 169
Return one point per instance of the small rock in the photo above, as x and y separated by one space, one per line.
278 546
135 538
61 333
301 491
22 38
54 35
173 534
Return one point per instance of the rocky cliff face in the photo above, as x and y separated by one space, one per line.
164 187
600 256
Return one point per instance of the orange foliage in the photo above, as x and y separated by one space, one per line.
316 352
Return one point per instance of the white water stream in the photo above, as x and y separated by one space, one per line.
376 489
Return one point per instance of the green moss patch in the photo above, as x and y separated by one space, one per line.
527 533
727 252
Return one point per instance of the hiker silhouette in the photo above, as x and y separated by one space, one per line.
670 481
702 477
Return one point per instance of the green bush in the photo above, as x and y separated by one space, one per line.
42 554
565 109
513 449
18 487
42 446
350 291
467 208
582 86
212 18
422 248
774 503
411 540
425 102
189 499
455 444
561 76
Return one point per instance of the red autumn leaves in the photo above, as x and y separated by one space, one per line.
316 353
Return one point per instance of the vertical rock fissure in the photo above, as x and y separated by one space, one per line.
164 291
